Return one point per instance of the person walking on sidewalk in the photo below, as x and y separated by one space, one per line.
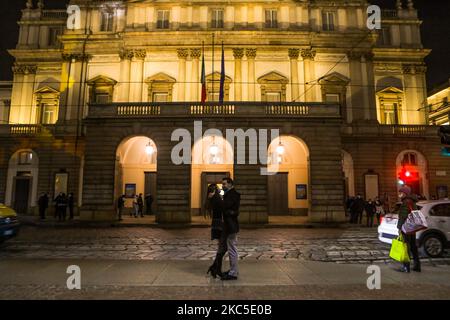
231 204
214 208
140 205
70 203
136 206
408 204
370 212
120 206
379 209
357 209
43 205
148 204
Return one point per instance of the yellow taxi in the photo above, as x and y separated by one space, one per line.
9 224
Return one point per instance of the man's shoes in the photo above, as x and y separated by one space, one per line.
227 277
404 269
417 268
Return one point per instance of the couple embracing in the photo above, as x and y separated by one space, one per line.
224 211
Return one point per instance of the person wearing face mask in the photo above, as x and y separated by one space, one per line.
408 204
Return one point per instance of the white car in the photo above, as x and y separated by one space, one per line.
435 239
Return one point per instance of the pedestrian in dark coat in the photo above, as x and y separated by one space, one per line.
231 204
357 209
140 202
408 204
43 205
214 209
120 206
61 206
148 204
370 212
70 204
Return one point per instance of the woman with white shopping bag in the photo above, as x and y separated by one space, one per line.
408 205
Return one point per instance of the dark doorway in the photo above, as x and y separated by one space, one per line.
211 178
277 191
22 194
150 188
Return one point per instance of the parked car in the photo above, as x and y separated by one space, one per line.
9 224
433 240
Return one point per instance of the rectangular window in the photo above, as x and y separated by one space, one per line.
391 114
273 96
160 97
107 21
163 19
25 158
384 36
53 36
213 96
271 18
217 18
328 20
332 97
102 98
49 113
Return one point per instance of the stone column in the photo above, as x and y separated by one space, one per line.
293 56
308 56
195 79
356 85
238 54
182 56
17 93
408 112
251 55
137 72
26 104
371 107
77 91
125 70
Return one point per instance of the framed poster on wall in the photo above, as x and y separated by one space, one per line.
130 190
301 191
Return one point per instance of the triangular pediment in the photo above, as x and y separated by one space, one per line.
273 77
46 90
390 90
102 80
160 77
334 78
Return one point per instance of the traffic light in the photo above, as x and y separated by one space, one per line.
444 133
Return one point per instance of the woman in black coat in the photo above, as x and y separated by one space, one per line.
214 208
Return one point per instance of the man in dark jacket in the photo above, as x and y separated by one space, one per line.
140 202
149 203
70 203
370 212
43 205
408 204
228 241
120 206
357 209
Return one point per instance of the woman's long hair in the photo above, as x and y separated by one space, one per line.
208 206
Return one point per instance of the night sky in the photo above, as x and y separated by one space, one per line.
435 33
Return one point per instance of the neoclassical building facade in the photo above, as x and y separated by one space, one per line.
94 107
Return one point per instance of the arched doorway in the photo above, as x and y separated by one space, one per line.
22 181
212 160
349 174
136 170
412 170
288 190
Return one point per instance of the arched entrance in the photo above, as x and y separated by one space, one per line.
212 160
22 181
136 170
412 170
288 191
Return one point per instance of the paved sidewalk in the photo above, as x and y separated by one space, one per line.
119 279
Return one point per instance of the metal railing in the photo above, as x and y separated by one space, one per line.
229 109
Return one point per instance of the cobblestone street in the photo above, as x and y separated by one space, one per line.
356 245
